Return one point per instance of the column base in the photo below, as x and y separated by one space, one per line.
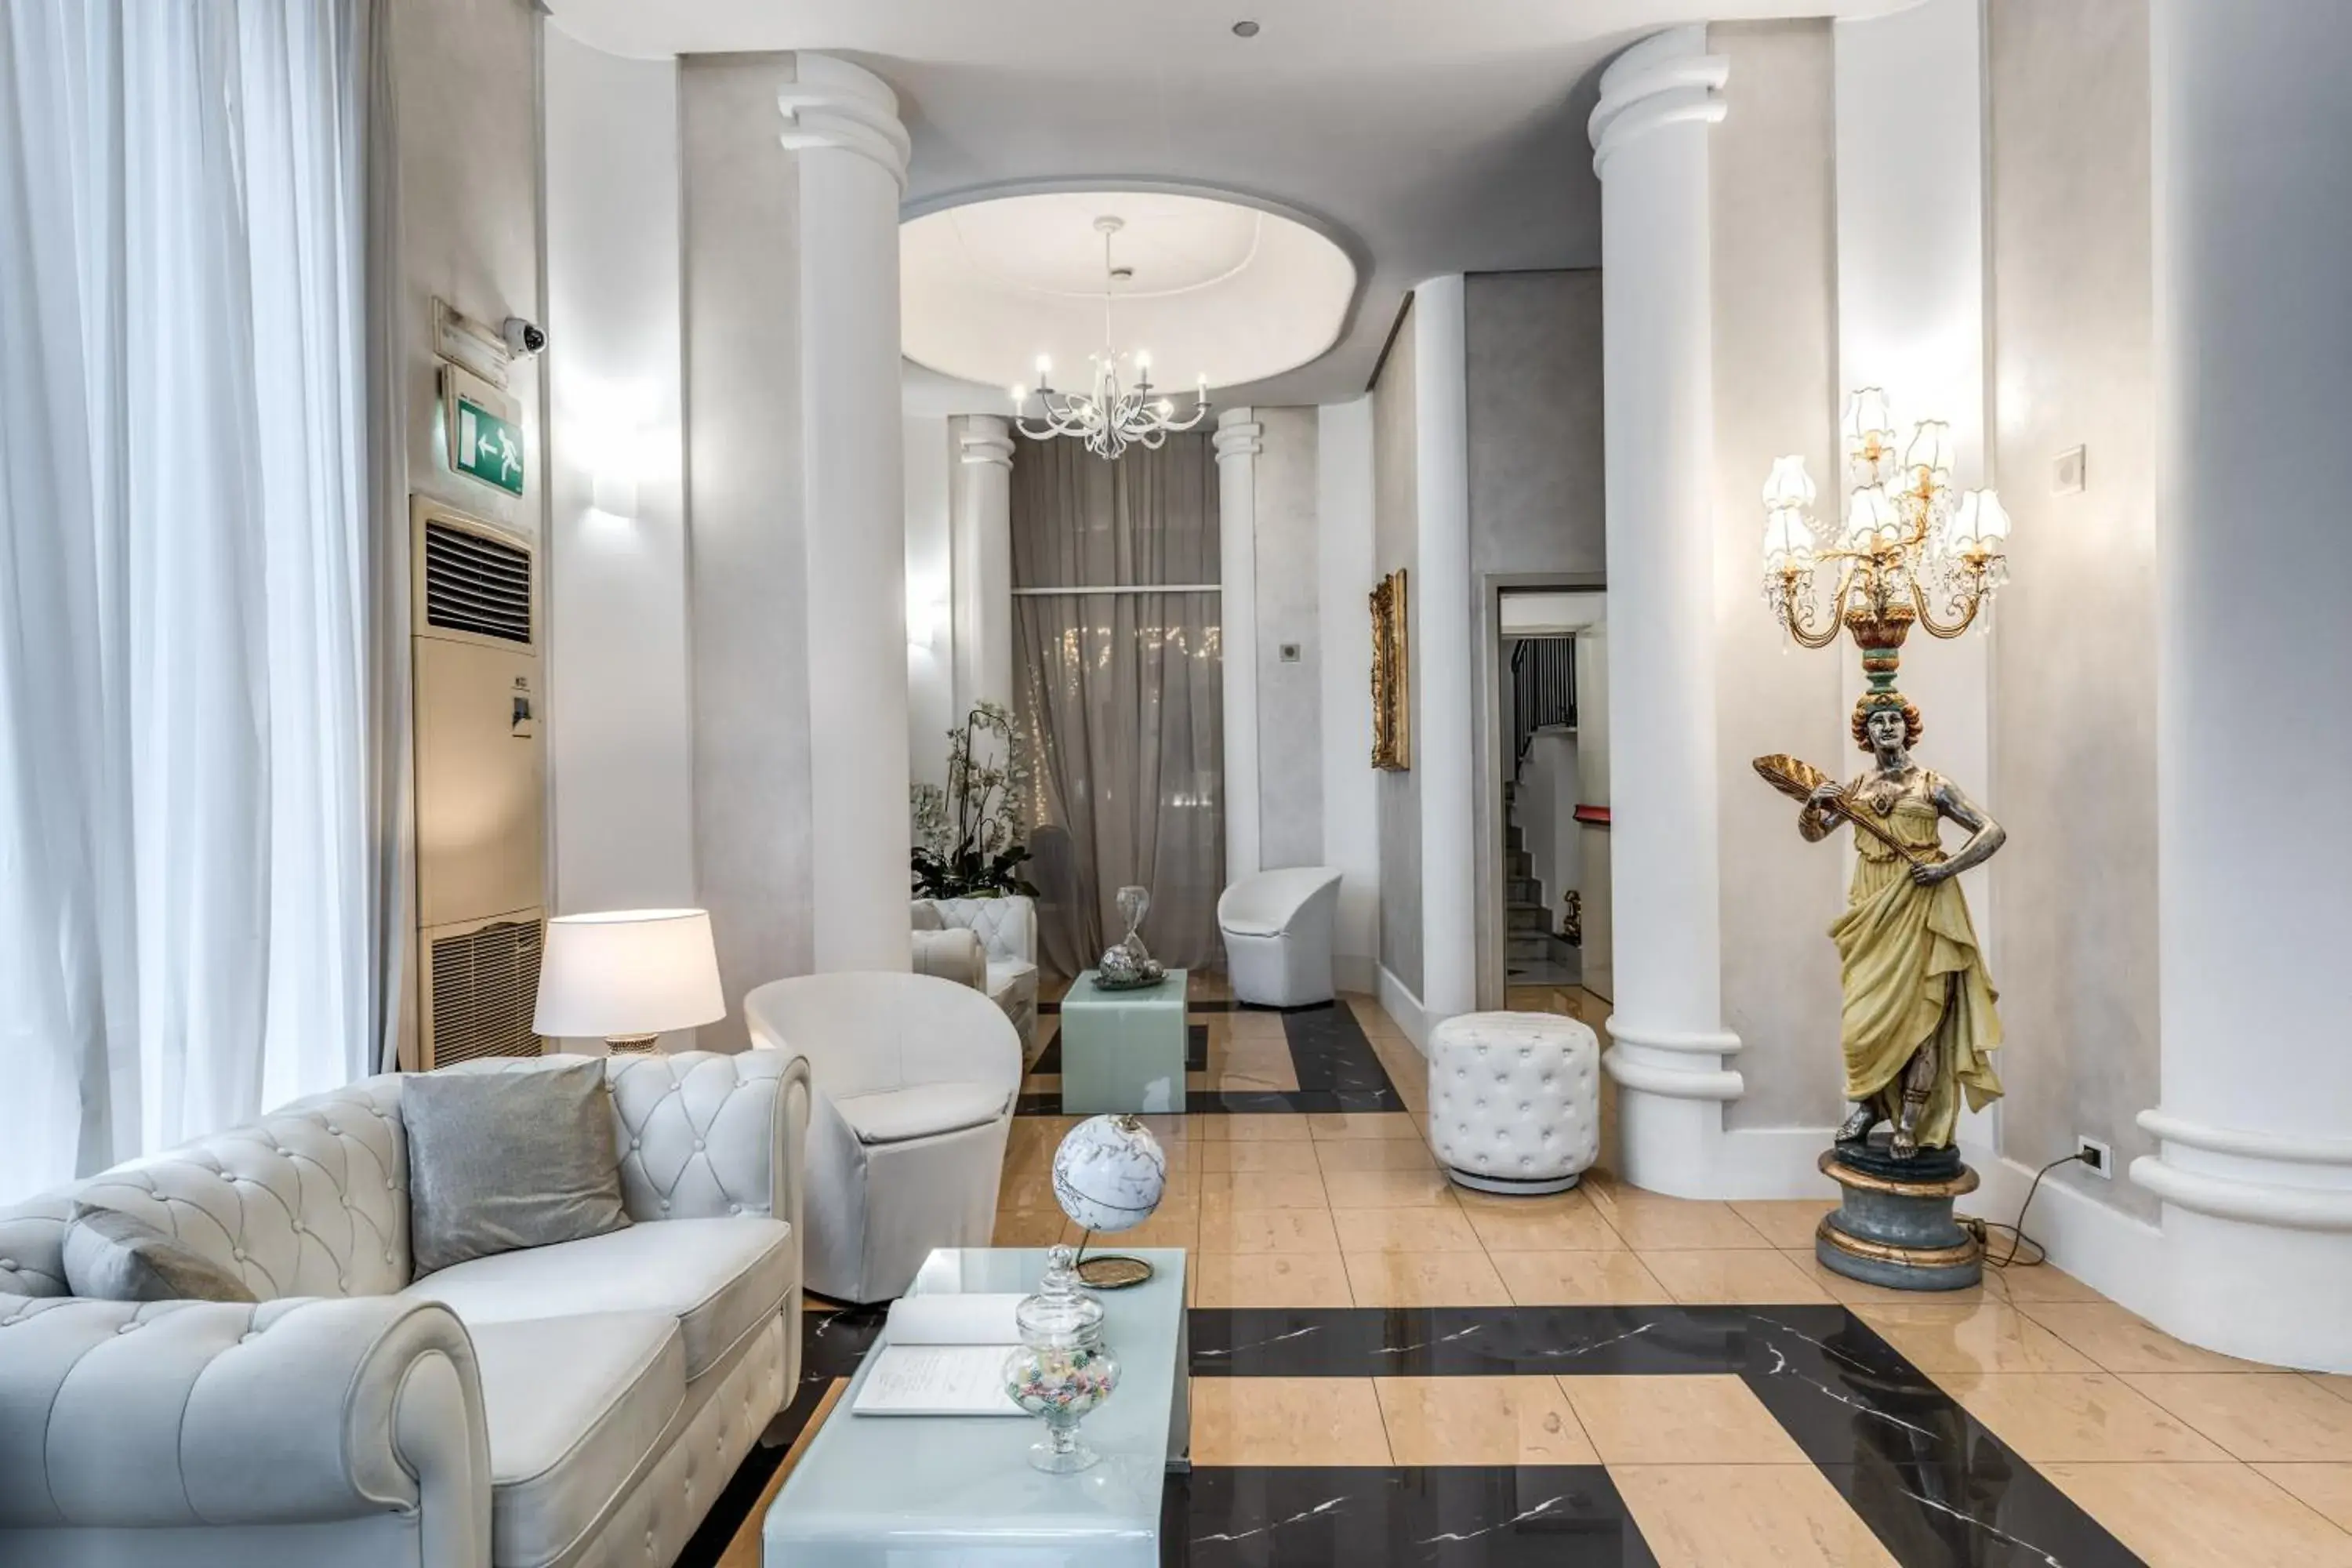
1893 1225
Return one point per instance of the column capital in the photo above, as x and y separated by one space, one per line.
985 439
1239 433
1667 79
832 104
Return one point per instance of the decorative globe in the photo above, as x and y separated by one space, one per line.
1109 1173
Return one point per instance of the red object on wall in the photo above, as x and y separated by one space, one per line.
1596 814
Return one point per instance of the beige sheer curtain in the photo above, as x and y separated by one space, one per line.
1120 693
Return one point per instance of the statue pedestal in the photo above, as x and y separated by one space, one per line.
1895 1226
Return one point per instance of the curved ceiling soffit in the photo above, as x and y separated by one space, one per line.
1339 235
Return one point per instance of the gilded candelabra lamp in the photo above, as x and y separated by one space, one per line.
1918 1025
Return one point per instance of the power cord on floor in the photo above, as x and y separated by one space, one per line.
1982 1229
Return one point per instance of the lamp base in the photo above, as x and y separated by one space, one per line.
633 1045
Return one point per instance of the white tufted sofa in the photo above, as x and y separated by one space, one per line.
1515 1100
1007 929
580 1405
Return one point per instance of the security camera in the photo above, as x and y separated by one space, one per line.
523 339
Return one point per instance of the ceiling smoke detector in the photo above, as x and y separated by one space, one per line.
1244 30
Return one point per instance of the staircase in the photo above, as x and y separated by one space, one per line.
1534 953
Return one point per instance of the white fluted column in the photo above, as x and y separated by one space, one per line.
843 123
1444 751
1239 439
1650 149
2254 217
980 544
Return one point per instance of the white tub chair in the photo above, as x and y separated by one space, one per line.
914 1079
1277 927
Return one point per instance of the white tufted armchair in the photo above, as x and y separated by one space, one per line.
1515 1100
914 1083
1007 930
1278 930
583 1404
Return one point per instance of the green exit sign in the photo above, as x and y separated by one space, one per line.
485 439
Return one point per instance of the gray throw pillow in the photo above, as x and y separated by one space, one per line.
114 1256
498 1160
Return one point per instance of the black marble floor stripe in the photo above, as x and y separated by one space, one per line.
1337 1068
1475 1341
1567 1516
1191 1005
1196 1051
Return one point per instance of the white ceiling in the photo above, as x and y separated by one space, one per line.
1424 136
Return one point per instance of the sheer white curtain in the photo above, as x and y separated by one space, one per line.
188 864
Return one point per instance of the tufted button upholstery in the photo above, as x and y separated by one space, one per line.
1007 930
1514 1099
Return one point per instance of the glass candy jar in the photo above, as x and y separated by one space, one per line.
1062 1369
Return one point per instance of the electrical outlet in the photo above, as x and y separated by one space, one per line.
2094 1157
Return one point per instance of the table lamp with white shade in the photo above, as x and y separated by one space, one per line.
628 976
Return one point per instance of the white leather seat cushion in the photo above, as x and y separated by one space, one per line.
574 1404
921 1110
719 1278
1003 973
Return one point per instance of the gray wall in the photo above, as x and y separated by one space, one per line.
748 568
1533 344
1395 533
2075 650
1773 172
1289 696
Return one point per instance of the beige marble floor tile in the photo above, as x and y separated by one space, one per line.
1248 1080
2038 1282
1175 1223
1723 1276
1481 1421
2202 1516
1577 1280
2278 1417
1042 1083
1258 1156
1651 1222
1724 1516
1170 1128
1700 1420
1267 1230
2088 1418
1786 1223
1263 1189
1388 1189
1562 1221
1270 1280
2335 1383
1269 1421
1033 1228
1983 1336
1858 1293
1354 1124
1247 1024
2326 1488
1027 1190
1374 1154
2119 1341
1241 1126
1431 1230
1424 1280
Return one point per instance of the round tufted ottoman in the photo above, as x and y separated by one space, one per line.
1515 1100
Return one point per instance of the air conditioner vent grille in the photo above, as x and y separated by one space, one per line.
474 583
485 986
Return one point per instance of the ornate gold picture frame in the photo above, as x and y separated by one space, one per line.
1391 739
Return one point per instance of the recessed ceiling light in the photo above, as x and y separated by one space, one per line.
1244 30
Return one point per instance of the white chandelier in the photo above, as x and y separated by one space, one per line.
1109 419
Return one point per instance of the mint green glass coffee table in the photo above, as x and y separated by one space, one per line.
958 1492
1123 1050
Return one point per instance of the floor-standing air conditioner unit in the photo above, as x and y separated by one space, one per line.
480 805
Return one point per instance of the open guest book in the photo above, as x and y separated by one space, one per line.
942 1355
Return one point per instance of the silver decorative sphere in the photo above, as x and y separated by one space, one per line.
1109 1173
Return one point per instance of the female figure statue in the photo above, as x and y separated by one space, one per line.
1919 1024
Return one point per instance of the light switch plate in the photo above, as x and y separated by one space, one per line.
2066 472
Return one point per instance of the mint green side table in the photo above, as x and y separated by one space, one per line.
1123 1050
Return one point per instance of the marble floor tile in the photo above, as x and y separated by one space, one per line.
1728 1516
1704 1420
2119 1341
1722 1276
1263 1189
2085 1418
1271 1421
1374 1154
1940 1337
1786 1223
2202 1516
1429 1229
1481 1421
1175 1223
1226 1229
1256 1025
1239 1126
2335 1383
2277 1417
1577 1280
1388 1189
1563 1222
1259 1155
1858 1293
1269 1280
2325 1489
1651 1222
1424 1280
2036 1282
1356 1124
1033 1228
